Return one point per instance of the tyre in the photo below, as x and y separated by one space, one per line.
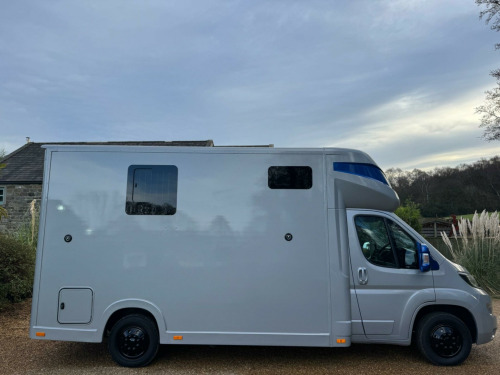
133 341
443 339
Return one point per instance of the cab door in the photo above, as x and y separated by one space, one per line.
386 279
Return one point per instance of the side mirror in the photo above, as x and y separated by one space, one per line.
424 258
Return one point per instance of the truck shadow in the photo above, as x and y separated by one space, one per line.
261 360
297 360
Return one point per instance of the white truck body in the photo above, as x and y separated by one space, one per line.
233 246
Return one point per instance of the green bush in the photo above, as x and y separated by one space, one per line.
410 213
476 246
27 232
17 266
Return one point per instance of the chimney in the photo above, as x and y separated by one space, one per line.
28 140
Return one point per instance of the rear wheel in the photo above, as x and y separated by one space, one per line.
443 339
133 341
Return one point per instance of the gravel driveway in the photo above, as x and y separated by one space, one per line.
21 355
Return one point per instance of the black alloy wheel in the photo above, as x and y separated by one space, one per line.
133 341
443 339
446 340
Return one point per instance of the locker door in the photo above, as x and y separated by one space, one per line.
75 306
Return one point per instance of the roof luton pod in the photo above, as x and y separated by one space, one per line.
360 183
148 245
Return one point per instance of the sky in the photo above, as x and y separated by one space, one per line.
397 79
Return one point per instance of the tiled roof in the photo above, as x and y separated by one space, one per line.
25 165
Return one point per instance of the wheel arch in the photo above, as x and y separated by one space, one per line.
120 309
460 312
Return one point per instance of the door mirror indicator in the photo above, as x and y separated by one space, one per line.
424 258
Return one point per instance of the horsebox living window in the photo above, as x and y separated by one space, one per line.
151 190
289 177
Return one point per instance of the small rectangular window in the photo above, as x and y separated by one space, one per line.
289 177
151 190
2 195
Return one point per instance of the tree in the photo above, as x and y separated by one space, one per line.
444 191
490 111
410 213
422 180
398 178
491 13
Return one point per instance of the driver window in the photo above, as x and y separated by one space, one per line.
374 241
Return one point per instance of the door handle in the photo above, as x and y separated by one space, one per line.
362 276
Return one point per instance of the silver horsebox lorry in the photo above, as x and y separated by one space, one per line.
144 246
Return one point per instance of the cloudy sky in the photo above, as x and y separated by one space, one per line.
399 79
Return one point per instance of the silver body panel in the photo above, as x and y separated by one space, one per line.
390 296
218 271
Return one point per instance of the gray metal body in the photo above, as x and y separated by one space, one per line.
219 270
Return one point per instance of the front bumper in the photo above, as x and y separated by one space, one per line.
487 323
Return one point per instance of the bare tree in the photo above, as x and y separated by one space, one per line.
491 14
490 111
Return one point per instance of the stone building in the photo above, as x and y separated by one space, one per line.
22 177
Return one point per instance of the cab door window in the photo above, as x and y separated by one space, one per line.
384 243
375 241
406 246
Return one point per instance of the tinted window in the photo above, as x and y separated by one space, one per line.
2 195
384 243
406 246
374 241
361 169
151 190
289 177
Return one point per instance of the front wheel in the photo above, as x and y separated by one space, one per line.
133 341
443 339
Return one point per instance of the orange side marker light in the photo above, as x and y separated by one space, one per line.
340 341
178 337
40 334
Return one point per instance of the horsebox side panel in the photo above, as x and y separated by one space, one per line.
219 266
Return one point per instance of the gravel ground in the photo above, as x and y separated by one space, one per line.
21 355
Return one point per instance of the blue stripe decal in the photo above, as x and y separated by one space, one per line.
361 169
